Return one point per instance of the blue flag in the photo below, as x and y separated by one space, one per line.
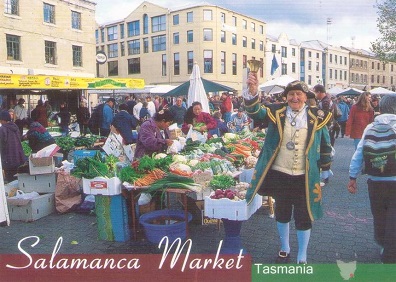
274 65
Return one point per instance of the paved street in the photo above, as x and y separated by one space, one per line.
345 232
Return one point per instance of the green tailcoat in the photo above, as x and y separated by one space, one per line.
317 154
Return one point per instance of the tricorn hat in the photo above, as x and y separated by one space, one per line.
299 85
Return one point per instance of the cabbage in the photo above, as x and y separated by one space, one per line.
193 162
160 156
179 158
180 166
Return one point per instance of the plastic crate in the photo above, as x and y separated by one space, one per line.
79 154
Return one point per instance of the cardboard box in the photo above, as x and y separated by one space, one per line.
174 133
230 209
41 165
36 208
102 186
42 183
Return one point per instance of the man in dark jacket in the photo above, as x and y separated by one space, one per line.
178 111
12 155
125 123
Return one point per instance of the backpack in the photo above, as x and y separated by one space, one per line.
96 119
379 150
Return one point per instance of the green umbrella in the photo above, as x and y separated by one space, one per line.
210 86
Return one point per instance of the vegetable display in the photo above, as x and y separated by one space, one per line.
222 182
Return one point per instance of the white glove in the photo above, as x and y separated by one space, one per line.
326 174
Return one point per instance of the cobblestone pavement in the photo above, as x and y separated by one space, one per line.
345 232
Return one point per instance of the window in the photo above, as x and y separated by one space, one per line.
112 33
253 27
378 66
352 77
331 58
133 28
134 66
158 43
234 21
76 20
336 59
372 78
145 24
309 65
222 36
163 64
176 19
309 79
284 51
134 47
317 55
234 64
190 36
335 74
293 52
122 48
234 39
176 63
208 61
284 68
207 15
391 80
49 13
145 45
13 47
208 34
244 24
261 46
383 66
244 61
190 17
50 52
253 43
122 31
176 38
391 67
113 68
330 73
223 62
222 17
372 66
77 56
158 23
345 75
112 50
11 7
97 36
273 48
190 61
317 66
293 67
261 29
102 35
383 79
244 41
378 78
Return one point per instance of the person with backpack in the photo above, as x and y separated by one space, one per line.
376 153
342 105
144 113
125 123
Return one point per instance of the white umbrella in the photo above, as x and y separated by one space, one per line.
381 91
276 85
335 90
196 91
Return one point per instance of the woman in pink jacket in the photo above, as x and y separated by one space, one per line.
199 120
360 116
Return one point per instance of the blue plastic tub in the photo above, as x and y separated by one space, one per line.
170 223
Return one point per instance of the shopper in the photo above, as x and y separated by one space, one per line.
381 170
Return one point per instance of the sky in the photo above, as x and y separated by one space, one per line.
353 22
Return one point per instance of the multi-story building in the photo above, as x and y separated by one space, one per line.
358 68
286 53
55 37
313 62
161 45
336 66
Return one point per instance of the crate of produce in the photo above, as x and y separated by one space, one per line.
32 209
42 183
41 165
102 186
79 154
231 209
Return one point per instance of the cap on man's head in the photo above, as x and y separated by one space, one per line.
299 85
319 88
5 115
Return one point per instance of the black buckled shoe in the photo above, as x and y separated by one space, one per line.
282 258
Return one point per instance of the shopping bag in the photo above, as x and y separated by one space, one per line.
67 193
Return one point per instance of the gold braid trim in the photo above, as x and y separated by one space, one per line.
324 122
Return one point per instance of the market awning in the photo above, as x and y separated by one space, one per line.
350 92
210 86
14 81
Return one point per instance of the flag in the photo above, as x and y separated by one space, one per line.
274 65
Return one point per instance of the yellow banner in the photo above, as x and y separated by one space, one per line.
13 81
